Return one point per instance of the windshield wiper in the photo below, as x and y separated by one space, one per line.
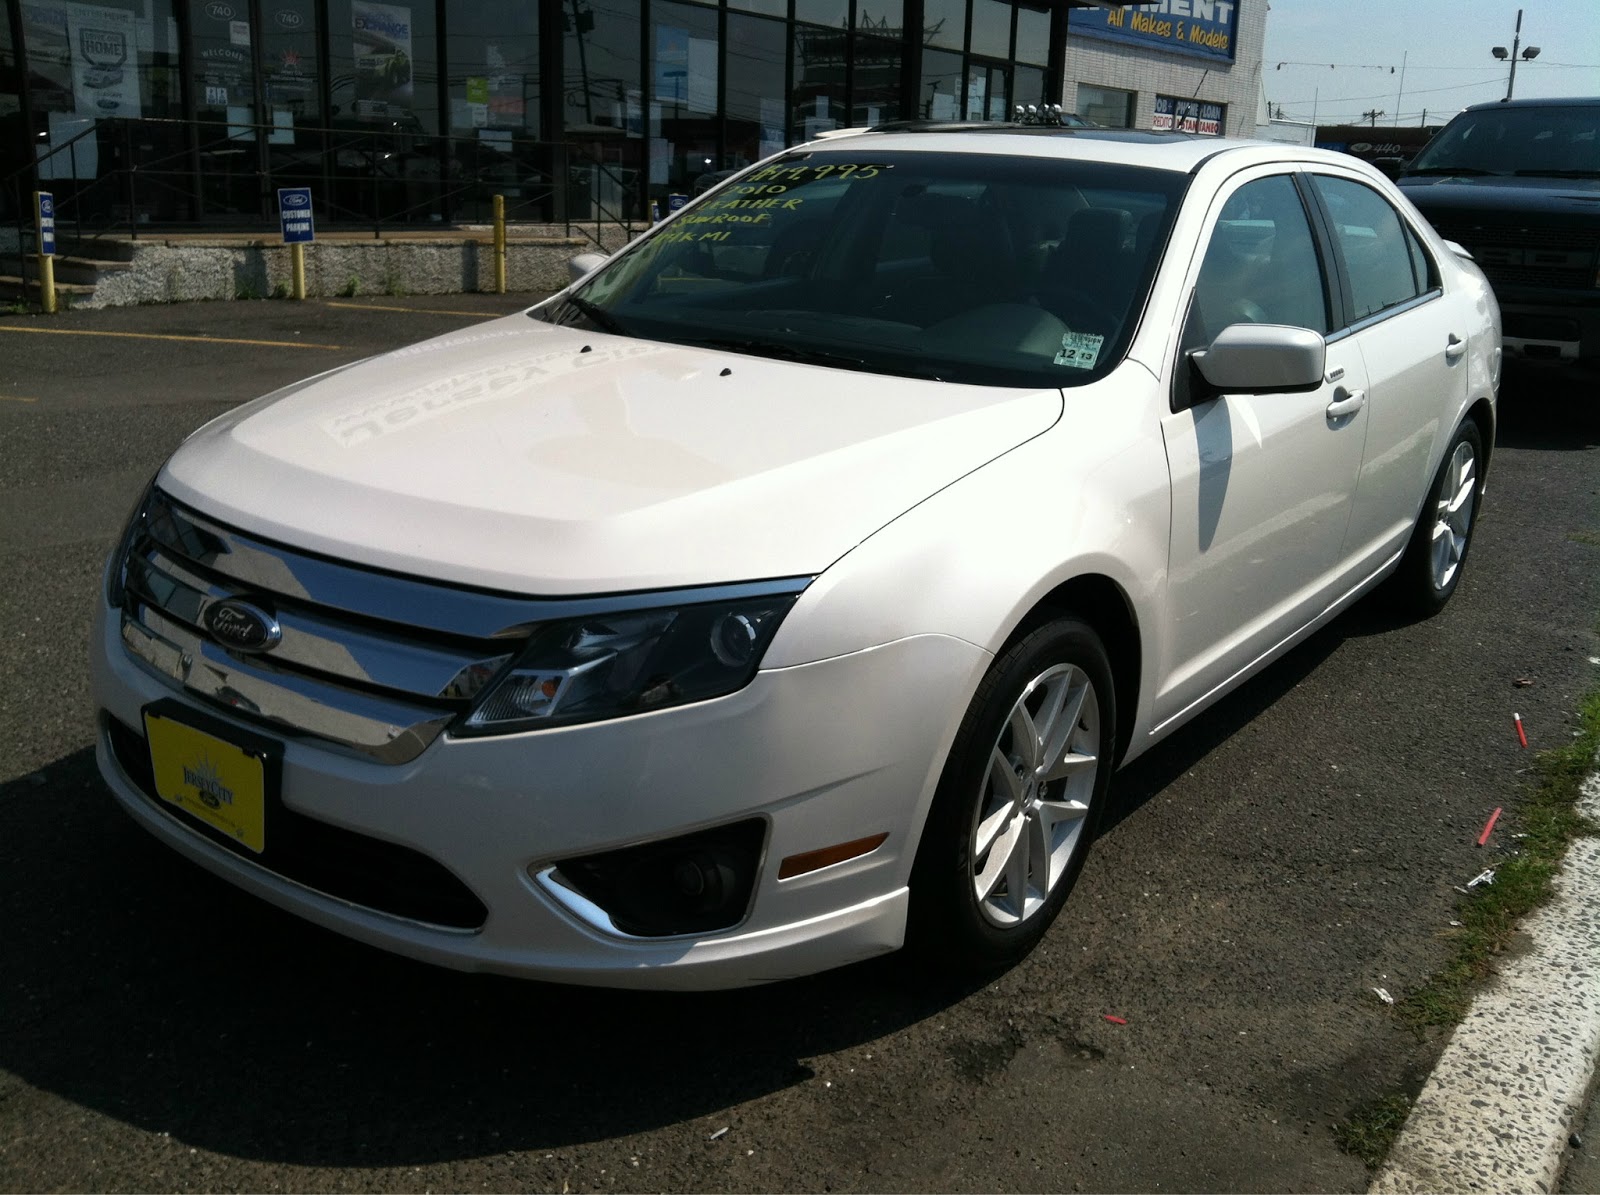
781 351
1463 170
1557 173
596 315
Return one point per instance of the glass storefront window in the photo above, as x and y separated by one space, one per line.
1033 36
944 24
879 60
492 63
1029 86
835 14
942 86
1110 106
770 8
757 49
991 28
604 107
817 100
683 89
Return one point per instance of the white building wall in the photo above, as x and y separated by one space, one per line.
1150 72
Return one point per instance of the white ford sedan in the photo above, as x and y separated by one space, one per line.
790 587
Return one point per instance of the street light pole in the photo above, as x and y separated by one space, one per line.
1529 54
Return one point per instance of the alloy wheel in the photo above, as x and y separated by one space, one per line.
1035 795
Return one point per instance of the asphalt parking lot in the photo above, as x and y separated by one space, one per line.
1261 872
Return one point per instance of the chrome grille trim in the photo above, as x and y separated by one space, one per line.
376 663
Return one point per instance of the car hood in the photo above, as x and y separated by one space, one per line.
1500 193
525 457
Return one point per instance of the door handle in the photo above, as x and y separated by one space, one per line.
1455 347
1352 402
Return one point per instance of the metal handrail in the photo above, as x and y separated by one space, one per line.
378 144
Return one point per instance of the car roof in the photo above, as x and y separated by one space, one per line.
1565 101
1181 152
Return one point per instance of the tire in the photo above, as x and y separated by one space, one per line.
1431 568
985 888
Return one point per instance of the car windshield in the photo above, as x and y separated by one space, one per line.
976 267
1560 140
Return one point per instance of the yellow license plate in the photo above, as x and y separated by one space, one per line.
209 778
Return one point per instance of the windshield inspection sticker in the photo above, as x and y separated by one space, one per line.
1080 350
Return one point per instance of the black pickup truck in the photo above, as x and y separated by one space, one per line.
1517 183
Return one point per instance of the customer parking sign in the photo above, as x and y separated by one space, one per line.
294 213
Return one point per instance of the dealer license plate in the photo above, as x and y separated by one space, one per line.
210 778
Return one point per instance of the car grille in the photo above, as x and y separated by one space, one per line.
378 875
1512 256
373 663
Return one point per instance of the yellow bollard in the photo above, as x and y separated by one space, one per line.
297 267
499 244
47 283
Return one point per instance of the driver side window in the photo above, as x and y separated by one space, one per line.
1261 266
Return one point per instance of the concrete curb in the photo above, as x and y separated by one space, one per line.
1514 1079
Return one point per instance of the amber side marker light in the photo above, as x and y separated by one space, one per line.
798 865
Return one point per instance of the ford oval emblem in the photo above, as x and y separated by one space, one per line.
288 19
242 627
296 199
219 12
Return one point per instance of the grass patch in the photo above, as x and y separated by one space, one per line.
1550 820
1371 1129
1588 538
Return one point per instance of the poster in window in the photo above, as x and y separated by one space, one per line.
382 57
105 61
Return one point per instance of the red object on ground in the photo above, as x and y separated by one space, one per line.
1115 1020
1488 826
1521 734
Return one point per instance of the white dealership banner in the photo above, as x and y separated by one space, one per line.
105 60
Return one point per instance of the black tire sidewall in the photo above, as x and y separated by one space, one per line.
946 924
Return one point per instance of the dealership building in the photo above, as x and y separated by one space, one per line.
192 112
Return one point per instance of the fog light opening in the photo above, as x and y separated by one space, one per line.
695 883
809 861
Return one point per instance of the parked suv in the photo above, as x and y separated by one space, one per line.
1518 184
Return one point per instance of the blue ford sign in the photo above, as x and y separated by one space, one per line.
294 213
47 224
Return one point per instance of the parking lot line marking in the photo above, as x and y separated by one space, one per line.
413 310
271 344
16 398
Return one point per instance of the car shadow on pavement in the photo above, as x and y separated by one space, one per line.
139 986
1548 411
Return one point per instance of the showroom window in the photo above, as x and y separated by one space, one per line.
1110 106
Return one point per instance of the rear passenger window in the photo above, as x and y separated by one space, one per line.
1382 259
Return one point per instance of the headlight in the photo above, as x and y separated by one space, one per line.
116 566
630 662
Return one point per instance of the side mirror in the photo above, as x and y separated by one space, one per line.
585 263
1262 359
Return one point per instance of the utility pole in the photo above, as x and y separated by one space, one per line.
1371 116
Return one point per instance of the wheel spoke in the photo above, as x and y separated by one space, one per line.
1058 733
1007 783
997 865
1017 866
1024 735
1072 763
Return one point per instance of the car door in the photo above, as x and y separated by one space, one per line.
1413 341
1261 484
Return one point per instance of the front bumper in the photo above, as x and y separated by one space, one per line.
1547 326
823 753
